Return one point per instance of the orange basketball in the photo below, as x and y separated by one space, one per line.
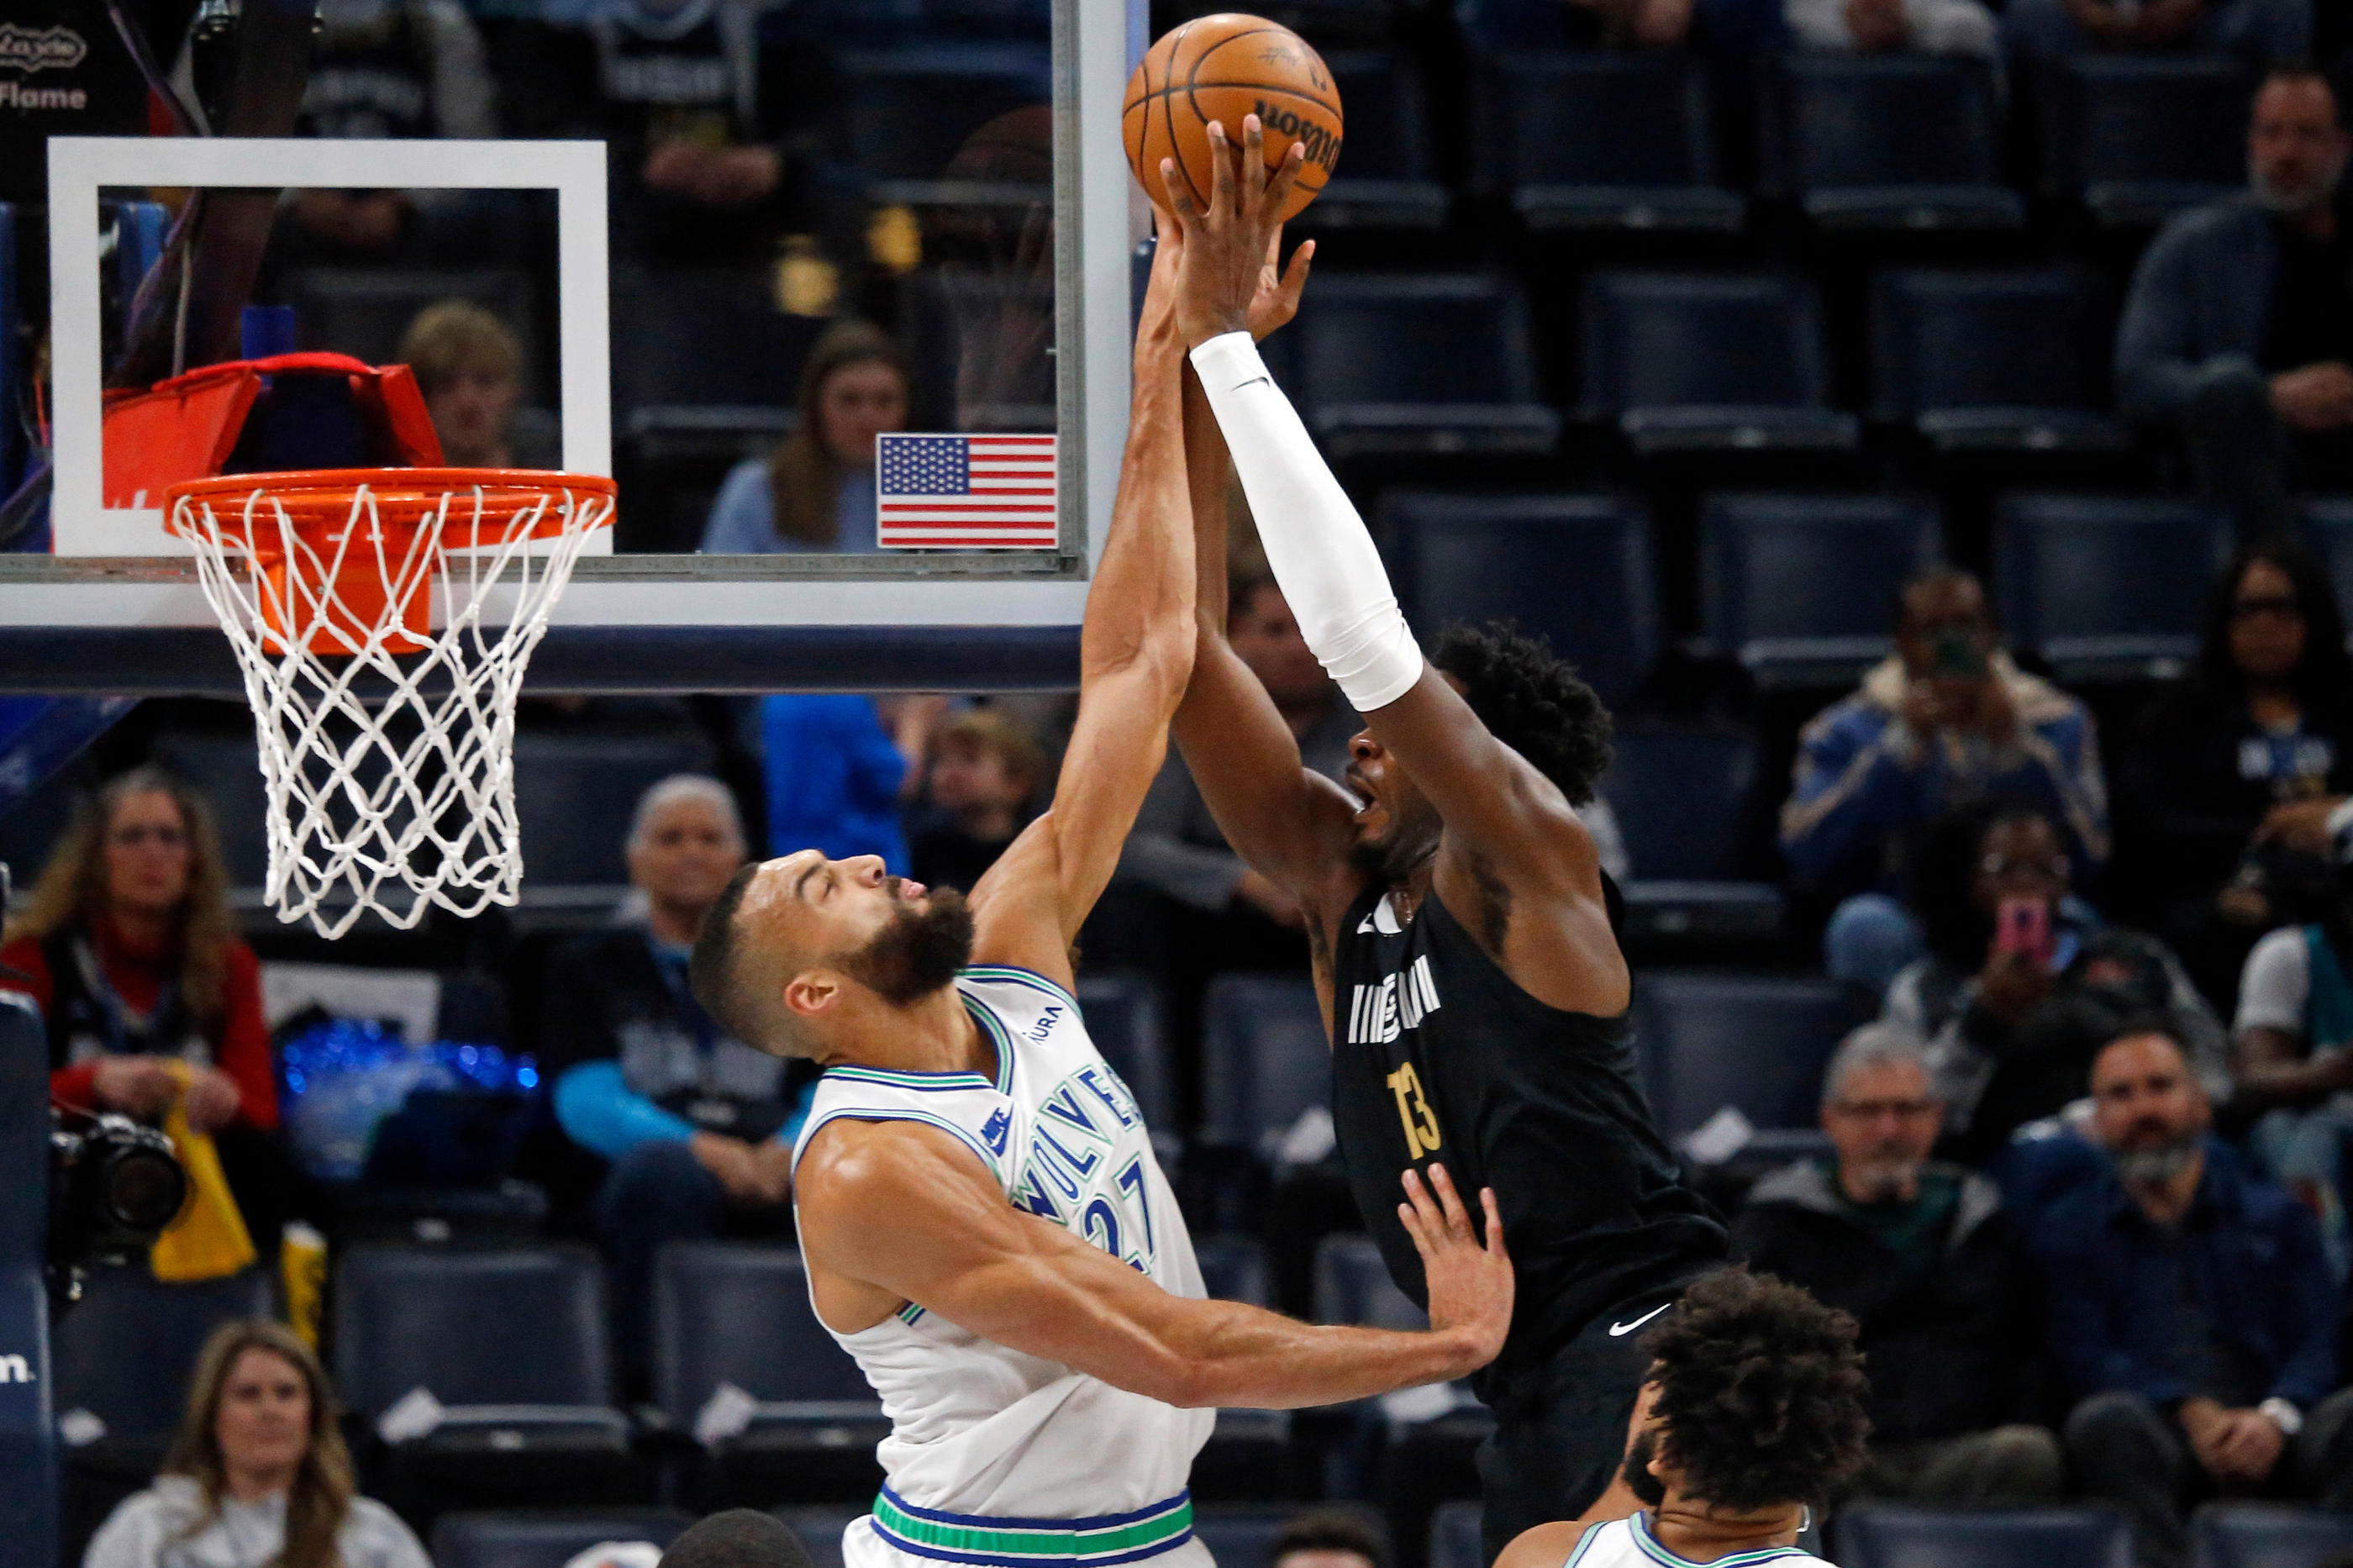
1221 68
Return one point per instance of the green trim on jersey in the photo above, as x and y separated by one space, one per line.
1039 1544
925 1080
1005 975
1638 1525
998 1036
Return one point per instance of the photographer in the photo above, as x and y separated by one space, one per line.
128 948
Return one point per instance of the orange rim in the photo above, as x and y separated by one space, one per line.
320 498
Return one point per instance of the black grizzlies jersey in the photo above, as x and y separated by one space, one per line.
1438 1057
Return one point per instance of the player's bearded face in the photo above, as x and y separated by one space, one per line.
918 951
1646 1485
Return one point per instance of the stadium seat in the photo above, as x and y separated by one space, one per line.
2268 1535
222 767
508 1344
1264 1059
1799 587
903 113
1353 1286
2328 530
1599 140
121 1359
1233 1268
1419 364
2015 360
1888 1535
1885 142
1755 1043
1122 1018
1238 1534
548 1540
1683 362
1686 802
1574 568
734 1327
1386 177
2105 587
1454 1539
2138 137
577 788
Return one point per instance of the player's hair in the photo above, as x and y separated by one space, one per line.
667 793
453 336
1760 1392
989 732
320 1496
1329 1530
1532 700
718 950
804 481
1874 1045
2160 1025
739 1538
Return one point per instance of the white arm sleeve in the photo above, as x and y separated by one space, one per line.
1324 561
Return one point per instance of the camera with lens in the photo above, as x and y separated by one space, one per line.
113 1186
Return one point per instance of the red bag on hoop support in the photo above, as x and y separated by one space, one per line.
186 427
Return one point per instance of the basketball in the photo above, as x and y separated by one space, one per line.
1221 68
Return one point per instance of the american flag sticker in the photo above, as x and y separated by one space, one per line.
965 492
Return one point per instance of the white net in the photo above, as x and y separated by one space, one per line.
382 639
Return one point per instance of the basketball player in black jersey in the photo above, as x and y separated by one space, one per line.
1457 915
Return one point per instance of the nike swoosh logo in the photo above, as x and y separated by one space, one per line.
1615 1330
1254 381
1365 927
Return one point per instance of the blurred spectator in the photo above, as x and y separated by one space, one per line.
2257 738
982 768
840 769
816 492
2238 328
128 948
1499 26
2022 984
739 1538
469 365
2258 32
698 1126
1923 1257
680 93
1327 1537
259 1475
2291 1064
1946 719
2190 1313
1885 26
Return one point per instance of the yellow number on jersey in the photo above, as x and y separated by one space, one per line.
1421 1124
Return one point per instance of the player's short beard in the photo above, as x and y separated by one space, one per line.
1646 1485
1409 844
920 951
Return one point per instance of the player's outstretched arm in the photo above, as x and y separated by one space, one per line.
901 1212
1331 575
1135 652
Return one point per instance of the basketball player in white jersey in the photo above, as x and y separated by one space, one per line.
985 1225
1752 1414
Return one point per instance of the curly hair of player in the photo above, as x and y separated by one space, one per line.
1532 700
1760 1392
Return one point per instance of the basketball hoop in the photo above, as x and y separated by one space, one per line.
387 742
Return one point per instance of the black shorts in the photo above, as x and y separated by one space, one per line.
1560 1431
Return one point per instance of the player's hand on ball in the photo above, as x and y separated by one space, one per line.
1227 247
1470 1282
1277 299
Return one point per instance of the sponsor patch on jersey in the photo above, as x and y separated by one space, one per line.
1379 1014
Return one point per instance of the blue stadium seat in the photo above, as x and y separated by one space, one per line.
1800 586
1885 142
1574 568
2268 1535
1233 1268
733 1316
122 1357
1454 1541
576 790
1600 140
2328 529
1264 1059
1888 1535
2137 137
1687 362
1238 1534
2009 359
1388 175
1353 1286
223 768
1686 802
545 1540
2104 586
902 113
1420 362
1122 1018
1756 1043
510 1341
819 1527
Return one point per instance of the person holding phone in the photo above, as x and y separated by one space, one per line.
1947 718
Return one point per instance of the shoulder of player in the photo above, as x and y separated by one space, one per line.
1545 1545
853 1165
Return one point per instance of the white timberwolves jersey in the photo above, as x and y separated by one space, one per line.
995 1456
1628 1543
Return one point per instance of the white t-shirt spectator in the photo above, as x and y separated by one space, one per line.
152 1529
2276 984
